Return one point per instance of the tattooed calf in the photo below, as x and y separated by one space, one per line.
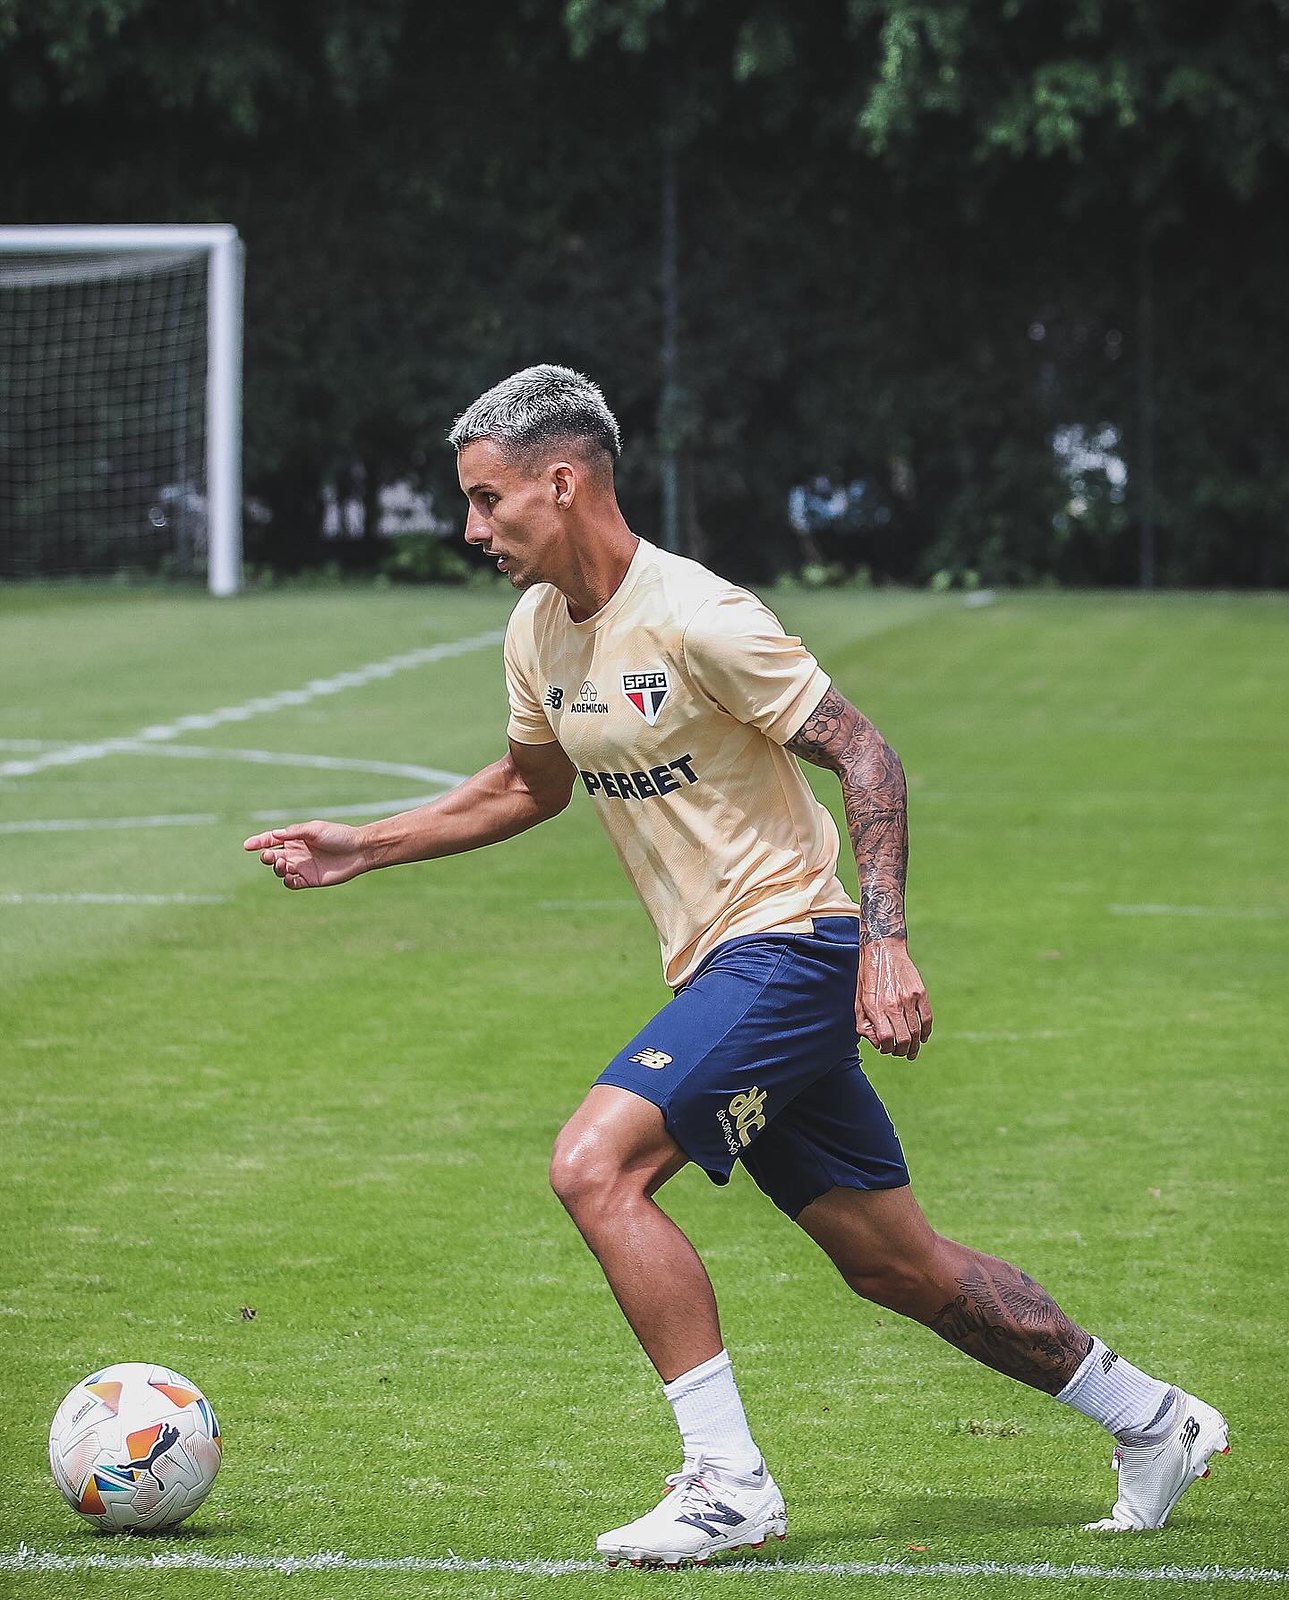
1003 1318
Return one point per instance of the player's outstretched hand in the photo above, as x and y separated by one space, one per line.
312 855
891 1007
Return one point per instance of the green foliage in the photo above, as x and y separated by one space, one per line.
630 22
425 558
764 46
1168 88
202 57
878 200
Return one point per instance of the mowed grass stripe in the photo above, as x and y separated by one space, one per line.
335 1110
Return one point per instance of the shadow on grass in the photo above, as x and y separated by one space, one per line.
154 1537
920 1520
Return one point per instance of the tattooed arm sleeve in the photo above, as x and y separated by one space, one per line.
837 736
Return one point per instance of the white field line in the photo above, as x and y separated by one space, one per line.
113 899
265 758
435 776
26 1560
189 819
1244 913
204 819
281 758
262 705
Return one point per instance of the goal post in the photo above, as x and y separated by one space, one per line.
111 382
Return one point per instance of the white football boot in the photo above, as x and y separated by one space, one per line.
1154 1477
698 1517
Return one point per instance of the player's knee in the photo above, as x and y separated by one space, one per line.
583 1173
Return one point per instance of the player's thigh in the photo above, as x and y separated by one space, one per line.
865 1232
614 1136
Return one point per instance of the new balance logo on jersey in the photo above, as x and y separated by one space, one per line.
743 1120
554 697
656 1059
647 692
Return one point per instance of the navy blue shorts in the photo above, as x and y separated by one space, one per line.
755 1060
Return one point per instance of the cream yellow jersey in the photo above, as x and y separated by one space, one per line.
674 703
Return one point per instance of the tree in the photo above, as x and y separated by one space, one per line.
910 242
1162 114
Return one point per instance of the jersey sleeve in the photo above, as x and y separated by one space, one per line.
741 658
528 722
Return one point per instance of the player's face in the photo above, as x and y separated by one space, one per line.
512 515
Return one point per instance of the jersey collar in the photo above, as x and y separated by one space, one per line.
644 552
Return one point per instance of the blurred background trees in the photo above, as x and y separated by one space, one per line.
1001 283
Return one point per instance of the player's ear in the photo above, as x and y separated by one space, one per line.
563 484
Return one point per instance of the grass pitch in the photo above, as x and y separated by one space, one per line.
295 1145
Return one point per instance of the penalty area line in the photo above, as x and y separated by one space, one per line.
24 1559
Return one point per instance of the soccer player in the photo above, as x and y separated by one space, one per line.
681 708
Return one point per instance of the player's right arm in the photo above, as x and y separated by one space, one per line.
891 1007
531 783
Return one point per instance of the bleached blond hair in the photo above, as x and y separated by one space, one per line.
536 407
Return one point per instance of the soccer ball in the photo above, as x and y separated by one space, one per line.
134 1447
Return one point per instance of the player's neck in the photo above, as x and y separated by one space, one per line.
596 567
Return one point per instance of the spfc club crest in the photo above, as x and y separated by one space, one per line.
647 692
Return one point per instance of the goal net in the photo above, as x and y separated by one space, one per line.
120 373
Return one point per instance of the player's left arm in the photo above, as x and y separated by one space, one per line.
891 1005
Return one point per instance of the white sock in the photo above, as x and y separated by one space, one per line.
1135 1407
710 1417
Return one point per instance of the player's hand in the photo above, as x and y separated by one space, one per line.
891 1007
312 855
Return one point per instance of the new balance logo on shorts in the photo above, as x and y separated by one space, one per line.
743 1120
657 1059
